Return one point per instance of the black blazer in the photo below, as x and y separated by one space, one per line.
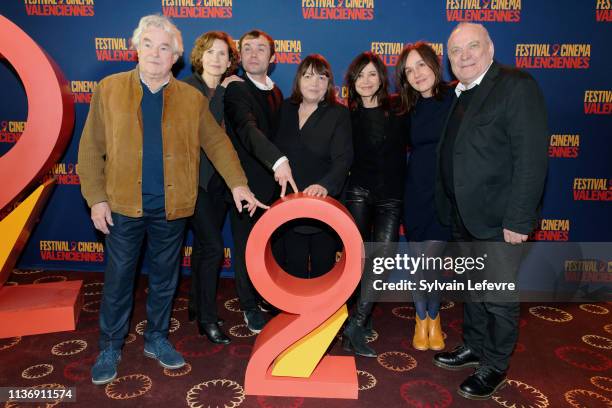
251 121
322 151
215 106
500 156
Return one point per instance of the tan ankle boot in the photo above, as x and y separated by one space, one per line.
420 341
436 338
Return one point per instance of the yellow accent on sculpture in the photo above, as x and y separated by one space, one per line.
302 358
13 227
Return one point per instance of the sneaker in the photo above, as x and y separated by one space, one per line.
105 368
255 320
164 352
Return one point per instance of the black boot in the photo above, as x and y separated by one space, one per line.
354 337
369 331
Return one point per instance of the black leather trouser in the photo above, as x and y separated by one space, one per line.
378 220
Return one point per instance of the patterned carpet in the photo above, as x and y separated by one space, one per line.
563 359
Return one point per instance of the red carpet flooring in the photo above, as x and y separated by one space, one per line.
563 359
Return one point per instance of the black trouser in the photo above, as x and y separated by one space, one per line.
378 220
490 328
242 225
207 254
309 254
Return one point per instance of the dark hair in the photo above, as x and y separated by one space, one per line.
320 66
205 42
408 94
357 65
256 34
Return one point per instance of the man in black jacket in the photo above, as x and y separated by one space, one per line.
491 174
251 110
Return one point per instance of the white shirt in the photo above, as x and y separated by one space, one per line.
461 87
264 87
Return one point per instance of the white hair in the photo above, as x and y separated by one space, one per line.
468 24
163 22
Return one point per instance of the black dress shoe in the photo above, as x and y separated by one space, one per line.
213 332
482 384
461 357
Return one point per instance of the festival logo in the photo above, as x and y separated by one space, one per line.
592 189
64 174
73 251
114 49
338 9
288 51
389 51
553 56
63 8
186 262
551 230
564 146
11 130
342 94
588 270
500 11
188 251
597 102
602 11
82 90
197 8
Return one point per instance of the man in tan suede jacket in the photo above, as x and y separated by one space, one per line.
138 164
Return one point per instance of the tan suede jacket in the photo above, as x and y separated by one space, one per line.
110 150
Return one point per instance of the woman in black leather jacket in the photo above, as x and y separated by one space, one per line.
376 185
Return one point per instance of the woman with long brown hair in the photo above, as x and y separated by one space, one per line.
375 186
428 99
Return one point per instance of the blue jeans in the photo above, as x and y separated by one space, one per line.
123 248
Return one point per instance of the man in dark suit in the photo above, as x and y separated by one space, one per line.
491 174
251 110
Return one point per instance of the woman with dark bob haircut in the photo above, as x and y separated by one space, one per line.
376 185
214 59
315 134
428 99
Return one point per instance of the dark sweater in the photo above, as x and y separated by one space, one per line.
379 141
151 107
426 127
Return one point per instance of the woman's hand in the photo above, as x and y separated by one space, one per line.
315 190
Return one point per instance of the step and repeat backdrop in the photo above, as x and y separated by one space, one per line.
565 45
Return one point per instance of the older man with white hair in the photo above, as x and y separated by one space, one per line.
492 168
138 164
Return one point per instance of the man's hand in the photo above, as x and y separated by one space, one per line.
243 193
514 238
316 190
101 217
282 175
